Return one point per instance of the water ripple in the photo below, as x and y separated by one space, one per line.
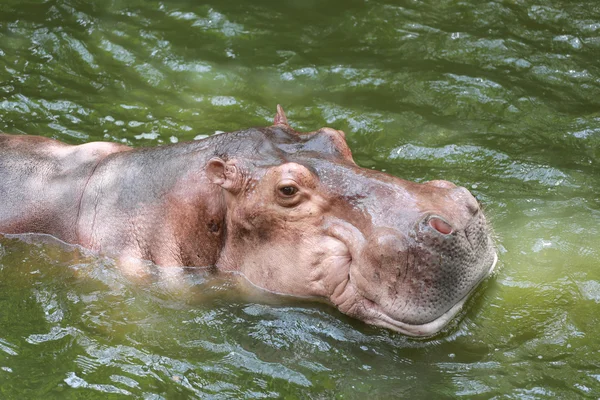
506 167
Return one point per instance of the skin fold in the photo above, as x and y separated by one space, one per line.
289 211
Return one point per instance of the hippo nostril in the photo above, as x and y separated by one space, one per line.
440 225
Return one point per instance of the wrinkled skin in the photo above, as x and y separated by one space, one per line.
290 211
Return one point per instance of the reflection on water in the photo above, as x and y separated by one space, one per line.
501 97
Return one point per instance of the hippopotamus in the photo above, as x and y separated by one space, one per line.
291 212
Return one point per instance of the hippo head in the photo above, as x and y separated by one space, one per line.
303 219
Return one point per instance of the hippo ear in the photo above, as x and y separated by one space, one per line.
224 173
280 118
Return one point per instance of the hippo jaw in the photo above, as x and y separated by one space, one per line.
372 313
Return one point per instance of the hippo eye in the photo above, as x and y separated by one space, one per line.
288 191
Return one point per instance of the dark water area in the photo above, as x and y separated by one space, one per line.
502 97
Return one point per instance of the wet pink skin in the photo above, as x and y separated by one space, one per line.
289 211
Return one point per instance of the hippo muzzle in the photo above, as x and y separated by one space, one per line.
416 283
415 276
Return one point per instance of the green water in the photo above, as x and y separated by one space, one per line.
502 97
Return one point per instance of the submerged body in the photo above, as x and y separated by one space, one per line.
290 211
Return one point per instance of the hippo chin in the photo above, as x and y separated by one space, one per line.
290 211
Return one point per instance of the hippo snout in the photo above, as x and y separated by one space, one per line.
416 282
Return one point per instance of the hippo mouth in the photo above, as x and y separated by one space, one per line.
375 315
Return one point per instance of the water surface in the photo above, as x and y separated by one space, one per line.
502 97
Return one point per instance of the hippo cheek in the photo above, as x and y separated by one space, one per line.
382 266
378 274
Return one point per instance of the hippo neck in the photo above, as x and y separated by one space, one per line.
156 204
